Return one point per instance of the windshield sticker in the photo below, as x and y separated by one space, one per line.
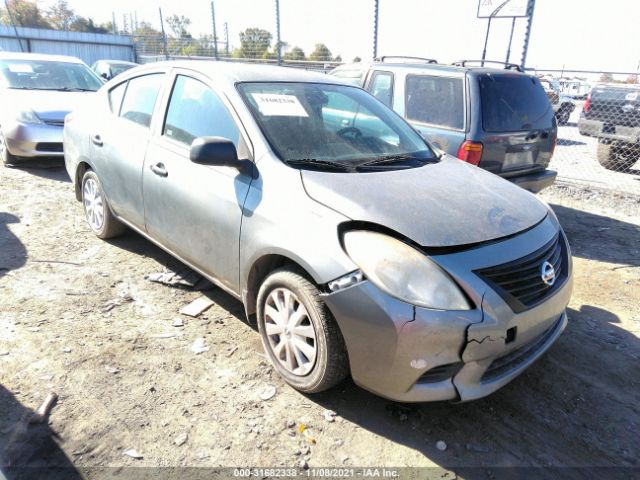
20 68
271 104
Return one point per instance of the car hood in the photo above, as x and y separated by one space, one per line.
446 204
50 106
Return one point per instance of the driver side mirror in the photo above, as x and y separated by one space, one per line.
218 151
213 151
105 75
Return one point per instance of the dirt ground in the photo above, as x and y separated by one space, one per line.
79 318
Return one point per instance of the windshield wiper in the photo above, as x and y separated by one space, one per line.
310 162
70 89
391 159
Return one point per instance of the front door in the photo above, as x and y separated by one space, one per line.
195 210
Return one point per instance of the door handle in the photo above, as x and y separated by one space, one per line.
97 140
159 170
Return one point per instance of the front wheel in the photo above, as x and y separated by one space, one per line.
299 334
96 208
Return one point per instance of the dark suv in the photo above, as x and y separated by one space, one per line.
611 113
497 118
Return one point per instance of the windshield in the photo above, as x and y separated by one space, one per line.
343 125
47 75
512 102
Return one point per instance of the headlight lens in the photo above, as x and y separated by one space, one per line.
403 272
28 116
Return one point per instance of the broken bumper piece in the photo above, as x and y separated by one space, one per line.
412 354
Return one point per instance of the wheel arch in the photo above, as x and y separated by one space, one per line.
81 169
261 267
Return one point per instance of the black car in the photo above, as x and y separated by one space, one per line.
499 119
611 113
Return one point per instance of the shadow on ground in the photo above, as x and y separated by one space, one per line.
596 237
13 253
29 451
52 169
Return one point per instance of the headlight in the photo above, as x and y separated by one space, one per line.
28 116
403 272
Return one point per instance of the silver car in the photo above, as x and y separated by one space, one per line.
354 245
36 92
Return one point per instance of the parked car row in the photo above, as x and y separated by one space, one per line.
355 245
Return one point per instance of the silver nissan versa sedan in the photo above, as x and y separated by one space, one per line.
355 246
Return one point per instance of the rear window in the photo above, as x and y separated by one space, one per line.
512 103
615 95
435 100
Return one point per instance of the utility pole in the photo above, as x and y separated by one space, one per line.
375 29
513 26
113 23
15 29
527 33
226 39
164 35
279 44
215 35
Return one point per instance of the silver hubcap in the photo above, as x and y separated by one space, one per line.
290 333
93 204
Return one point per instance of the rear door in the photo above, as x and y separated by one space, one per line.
514 121
119 144
615 106
436 107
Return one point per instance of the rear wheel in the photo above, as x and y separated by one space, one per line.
298 332
7 159
617 158
563 115
96 208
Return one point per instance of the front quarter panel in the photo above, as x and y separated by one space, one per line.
279 218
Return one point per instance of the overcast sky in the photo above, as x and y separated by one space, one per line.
579 34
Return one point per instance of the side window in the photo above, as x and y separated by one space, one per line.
381 87
115 97
140 98
196 111
435 100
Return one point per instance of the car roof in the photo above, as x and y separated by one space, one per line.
421 67
234 72
38 57
117 62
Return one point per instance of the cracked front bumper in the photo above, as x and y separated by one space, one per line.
394 348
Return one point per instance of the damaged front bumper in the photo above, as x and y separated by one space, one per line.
413 354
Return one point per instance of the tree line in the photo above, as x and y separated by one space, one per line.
254 42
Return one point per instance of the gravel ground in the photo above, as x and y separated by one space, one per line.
79 318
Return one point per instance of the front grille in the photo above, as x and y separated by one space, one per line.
520 282
57 123
517 357
49 147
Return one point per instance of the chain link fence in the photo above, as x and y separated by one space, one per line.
598 128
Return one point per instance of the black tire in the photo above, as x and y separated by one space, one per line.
111 226
615 158
331 363
563 116
7 159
